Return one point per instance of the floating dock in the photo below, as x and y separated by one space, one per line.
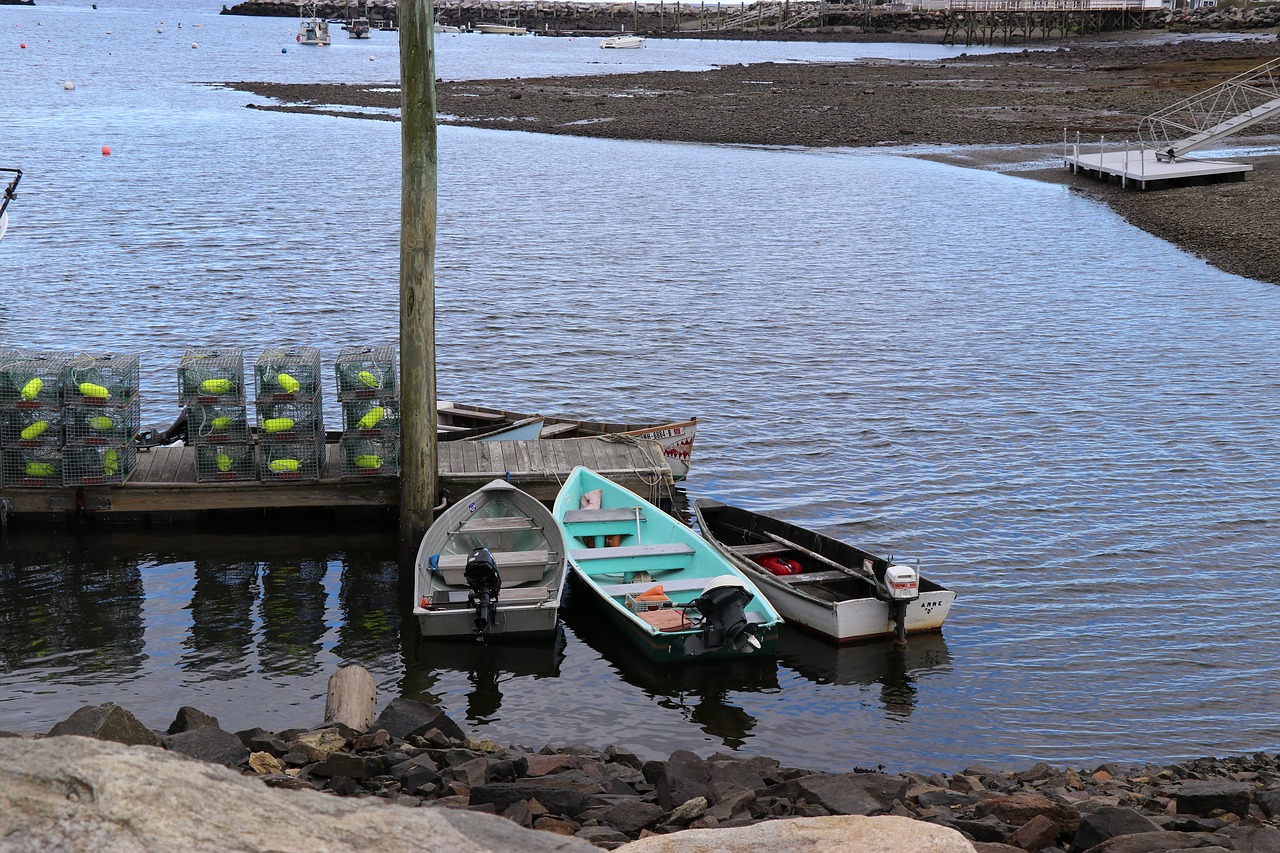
1143 169
164 481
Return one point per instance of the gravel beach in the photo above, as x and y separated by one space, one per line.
969 111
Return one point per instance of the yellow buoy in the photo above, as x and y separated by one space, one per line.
39 469
34 430
281 466
368 460
223 461
88 389
110 462
287 382
372 417
367 378
102 423
220 424
273 425
215 386
32 389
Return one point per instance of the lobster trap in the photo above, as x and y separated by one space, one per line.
209 376
292 460
33 379
371 419
225 462
369 457
217 424
367 373
31 426
290 422
98 426
286 375
33 467
97 466
102 380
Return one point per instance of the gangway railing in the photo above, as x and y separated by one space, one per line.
1205 119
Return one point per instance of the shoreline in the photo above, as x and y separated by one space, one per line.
994 106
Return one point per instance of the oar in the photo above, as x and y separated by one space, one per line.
821 559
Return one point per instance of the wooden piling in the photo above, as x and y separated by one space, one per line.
417 271
351 698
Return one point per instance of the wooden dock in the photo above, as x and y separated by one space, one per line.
164 480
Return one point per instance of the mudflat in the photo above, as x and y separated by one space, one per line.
1032 100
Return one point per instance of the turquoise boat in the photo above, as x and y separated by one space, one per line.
664 586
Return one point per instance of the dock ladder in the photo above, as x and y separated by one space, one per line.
1204 119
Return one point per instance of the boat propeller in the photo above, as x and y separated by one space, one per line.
482 577
723 607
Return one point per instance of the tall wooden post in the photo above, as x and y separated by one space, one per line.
417 270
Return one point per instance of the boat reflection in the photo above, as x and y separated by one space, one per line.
700 692
896 671
487 668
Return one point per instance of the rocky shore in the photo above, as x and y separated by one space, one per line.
1028 98
414 756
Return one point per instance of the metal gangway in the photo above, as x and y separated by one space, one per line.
1204 119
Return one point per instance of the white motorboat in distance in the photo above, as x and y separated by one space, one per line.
313 30
503 29
492 565
623 41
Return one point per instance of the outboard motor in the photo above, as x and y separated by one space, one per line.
902 585
723 607
482 576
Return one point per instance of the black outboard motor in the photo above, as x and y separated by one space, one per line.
483 578
722 605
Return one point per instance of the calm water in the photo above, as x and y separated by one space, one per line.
1069 422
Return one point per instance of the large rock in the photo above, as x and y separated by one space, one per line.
558 799
404 718
74 793
1203 797
208 743
856 834
684 777
106 722
1097 826
845 793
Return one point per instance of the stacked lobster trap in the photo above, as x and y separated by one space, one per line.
370 398
211 386
288 400
68 420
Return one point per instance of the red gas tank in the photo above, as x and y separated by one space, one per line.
780 565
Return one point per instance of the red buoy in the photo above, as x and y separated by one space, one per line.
106 151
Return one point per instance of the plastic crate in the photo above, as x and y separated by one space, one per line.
223 462
643 605
287 375
98 466
210 376
33 467
367 373
94 425
217 424
369 457
110 379
371 419
296 460
32 379
290 422
31 426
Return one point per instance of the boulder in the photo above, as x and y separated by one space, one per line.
684 777
189 718
106 722
404 718
557 799
75 793
838 832
1204 796
1097 826
1150 842
845 793
1017 809
208 743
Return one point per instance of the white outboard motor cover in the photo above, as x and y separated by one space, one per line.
902 583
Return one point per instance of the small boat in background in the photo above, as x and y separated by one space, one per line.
668 590
492 564
821 584
503 29
675 437
10 192
313 30
623 42
358 29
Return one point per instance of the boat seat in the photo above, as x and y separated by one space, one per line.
518 595
760 549
486 525
515 567
587 523
553 430
676 585
815 577
658 549
583 516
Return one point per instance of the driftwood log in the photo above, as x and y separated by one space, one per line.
351 698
